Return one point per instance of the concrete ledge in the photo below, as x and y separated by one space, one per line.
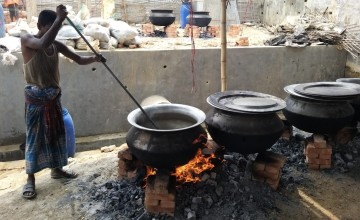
13 152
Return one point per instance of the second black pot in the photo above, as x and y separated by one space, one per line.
162 17
244 133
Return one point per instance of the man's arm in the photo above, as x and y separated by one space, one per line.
48 38
81 60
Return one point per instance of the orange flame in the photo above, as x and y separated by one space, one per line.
191 171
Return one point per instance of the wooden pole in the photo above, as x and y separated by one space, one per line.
223 46
31 10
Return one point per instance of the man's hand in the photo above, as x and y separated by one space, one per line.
61 12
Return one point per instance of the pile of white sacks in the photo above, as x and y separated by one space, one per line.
100 33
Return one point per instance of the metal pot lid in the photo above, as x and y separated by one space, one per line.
349 80
290 90
246 101
328 89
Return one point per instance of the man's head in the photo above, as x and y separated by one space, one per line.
46 19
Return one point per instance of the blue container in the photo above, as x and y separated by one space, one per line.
69 133
184 12
2 22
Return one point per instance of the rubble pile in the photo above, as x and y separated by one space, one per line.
314 28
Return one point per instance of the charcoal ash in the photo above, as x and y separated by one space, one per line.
227 190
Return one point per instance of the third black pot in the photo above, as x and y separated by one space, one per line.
244 121
316 115
356 101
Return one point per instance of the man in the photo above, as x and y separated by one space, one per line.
45 133
13 6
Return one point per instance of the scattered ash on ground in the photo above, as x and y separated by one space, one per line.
226 192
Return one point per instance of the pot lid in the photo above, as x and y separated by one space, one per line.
328 89
290 90
349 80
246 101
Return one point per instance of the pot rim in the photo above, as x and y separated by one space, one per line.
291 91
214 100
186 110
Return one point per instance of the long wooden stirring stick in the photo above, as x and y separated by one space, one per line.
112 73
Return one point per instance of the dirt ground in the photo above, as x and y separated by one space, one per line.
325 195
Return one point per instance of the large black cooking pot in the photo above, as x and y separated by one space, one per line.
244 121
174 143
356 101
199 18
315 114
161 17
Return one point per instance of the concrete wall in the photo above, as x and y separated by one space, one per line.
98 105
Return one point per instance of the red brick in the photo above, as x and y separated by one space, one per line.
325 156
310 149
312 160
319 141
157 196
151 202
327 150
274 184
242 41
267 175
167 204
272 170
324 166
122 173
258 166
271 159
324 162
158 210
313 155
313 166
257 177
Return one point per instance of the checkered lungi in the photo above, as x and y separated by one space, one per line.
45 131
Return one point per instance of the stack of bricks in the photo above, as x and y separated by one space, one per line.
195 30
147 29
214 31
267 168
344 135
171 31
160 194
242 41
234 30
127 163
318 153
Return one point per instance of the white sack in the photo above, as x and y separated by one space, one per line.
122 31
97 32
